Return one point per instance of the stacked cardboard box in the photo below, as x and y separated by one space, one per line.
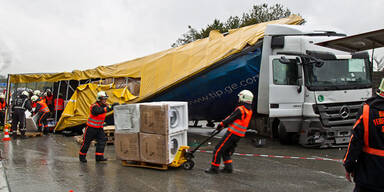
31 123
127 127
162 130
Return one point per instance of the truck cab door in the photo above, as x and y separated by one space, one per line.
286 94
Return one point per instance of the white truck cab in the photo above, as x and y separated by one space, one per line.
308 92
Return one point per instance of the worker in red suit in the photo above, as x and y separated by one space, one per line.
94 129
3 106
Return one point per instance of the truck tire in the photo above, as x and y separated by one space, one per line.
285 137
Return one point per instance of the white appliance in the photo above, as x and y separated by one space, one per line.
177 116
176 140
127 118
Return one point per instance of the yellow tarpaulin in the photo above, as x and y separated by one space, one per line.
164 69
77 110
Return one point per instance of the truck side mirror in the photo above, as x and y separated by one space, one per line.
284 60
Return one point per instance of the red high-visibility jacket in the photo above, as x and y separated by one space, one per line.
59 104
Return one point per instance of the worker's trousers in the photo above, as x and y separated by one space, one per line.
2 117
18 120
224 149
90 134
42 121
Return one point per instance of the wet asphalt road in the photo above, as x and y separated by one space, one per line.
50 163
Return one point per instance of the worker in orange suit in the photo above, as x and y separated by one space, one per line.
237 124
59 106
49 100
42 111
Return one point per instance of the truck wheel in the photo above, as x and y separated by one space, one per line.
284 136
188 165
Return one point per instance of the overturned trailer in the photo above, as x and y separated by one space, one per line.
302 90
159 73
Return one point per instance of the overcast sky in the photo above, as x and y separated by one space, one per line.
63 35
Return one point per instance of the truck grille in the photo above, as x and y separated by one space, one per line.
338 114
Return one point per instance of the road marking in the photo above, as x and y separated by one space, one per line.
279 156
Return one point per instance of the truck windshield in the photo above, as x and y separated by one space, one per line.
338 74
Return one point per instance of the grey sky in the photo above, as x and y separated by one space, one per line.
63 35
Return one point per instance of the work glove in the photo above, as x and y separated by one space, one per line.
219 127
114 104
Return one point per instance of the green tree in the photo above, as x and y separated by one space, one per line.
258 14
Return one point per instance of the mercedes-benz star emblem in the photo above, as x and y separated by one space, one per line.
344 112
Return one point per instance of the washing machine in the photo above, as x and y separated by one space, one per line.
127 118
176 140
177 116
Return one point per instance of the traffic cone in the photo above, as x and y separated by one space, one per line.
6 133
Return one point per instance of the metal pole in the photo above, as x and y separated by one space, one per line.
7 99
55 104
371 65
66 94
57 98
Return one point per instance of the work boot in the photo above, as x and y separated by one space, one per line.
82 158
227 169
212 170
100 158
13 134
23 136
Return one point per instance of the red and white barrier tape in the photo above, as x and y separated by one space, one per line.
279 156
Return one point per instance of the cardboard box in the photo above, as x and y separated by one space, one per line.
30 123
134 86
154 118
120 82
107 81
154 148
127 146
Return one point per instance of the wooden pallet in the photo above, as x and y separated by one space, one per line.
79 140
109 133
144 165
31 134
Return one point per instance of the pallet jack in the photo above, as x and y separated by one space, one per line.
184 157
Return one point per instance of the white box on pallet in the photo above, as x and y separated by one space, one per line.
176 140
164 117
127 118
161 149
177 116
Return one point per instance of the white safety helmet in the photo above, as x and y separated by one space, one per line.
25 93
380 90
245 96
101 95
2 96
34 98
37 92
49 90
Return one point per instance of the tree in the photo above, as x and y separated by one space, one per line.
258 14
